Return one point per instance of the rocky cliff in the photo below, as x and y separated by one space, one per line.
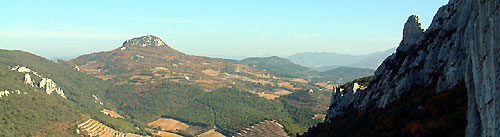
145 41
460 46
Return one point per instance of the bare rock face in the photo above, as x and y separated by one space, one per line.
144 41
461 45
27 80
24 70
76 68
4 93
482 39
50 87
413 31
355 87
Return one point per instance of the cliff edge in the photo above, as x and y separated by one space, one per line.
460 46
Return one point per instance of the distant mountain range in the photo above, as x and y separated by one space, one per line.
330 60
285 68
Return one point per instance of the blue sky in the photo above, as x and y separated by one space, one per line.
59 29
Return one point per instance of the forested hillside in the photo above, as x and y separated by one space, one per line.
29 111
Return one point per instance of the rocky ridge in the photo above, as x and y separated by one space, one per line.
45 83
461 45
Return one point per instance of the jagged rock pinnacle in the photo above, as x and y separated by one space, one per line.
144 41
412 32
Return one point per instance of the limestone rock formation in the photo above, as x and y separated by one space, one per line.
482 38
355 87
4 93
24 70
144 41
412 32
50 87
461 45
27 80
7 93
76 68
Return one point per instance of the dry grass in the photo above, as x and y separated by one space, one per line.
159 69
112 114
299 80
173 77
282 92
319 116
90 67
258 75
166 134
272 95
263 82
206 81
210 72
268 96
287 85
121 82
104 77
140 77
324 85
168 124
211 133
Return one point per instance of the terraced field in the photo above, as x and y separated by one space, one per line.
266 128
94 128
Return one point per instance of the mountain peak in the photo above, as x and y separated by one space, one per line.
144 41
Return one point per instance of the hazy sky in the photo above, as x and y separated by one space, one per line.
55 29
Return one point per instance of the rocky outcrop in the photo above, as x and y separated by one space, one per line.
76 68
355 87
50 87
7 93
97 100
144 41
461 45
342 99
24 70
412 33
4 93
27 80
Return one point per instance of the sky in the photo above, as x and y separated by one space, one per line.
222 28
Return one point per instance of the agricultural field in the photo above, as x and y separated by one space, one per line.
211 133
168 124
93 127
166 134
266 128
111 113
